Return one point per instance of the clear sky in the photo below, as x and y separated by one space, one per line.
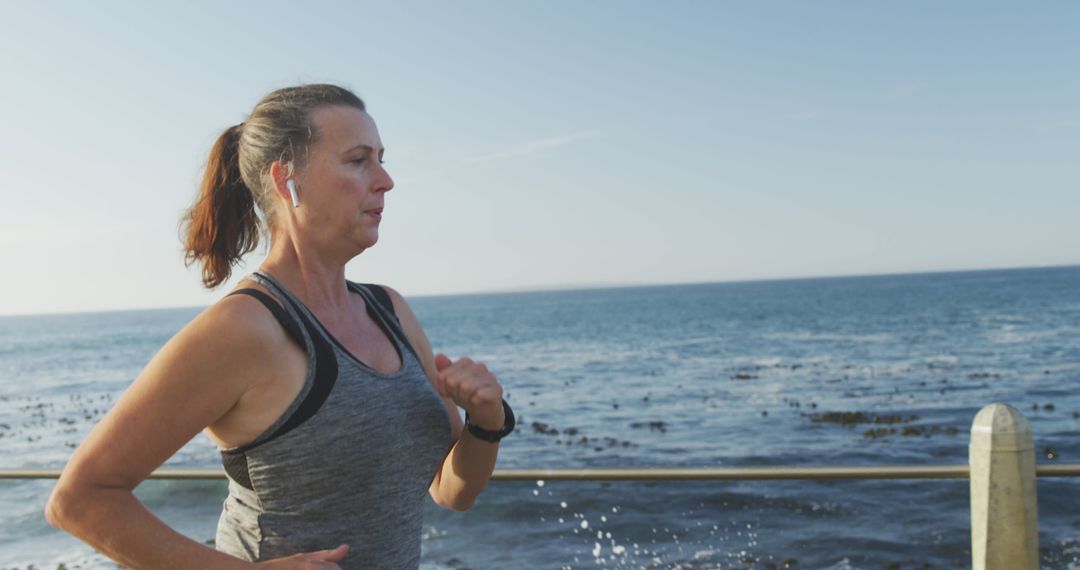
556 143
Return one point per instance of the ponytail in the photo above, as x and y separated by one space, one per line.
222 225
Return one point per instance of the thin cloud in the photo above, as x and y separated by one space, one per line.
537 146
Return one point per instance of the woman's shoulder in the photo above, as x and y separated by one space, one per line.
404 313
249 302
243 323
387 295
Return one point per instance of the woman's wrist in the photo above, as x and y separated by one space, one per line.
487 430
493 418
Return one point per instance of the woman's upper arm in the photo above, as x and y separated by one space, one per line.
420 342
196 378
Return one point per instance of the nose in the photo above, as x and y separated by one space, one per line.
385 183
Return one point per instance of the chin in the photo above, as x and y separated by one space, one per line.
369 241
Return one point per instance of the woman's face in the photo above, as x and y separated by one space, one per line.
343 184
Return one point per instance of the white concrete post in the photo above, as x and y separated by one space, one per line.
1004 515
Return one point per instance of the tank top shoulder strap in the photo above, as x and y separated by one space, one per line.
292 328
323 369
380 295
379 299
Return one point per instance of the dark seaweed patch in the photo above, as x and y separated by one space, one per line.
653 426
851 419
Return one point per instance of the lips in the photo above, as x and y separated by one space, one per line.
376 213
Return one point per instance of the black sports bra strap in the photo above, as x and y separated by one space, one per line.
286 320
381 296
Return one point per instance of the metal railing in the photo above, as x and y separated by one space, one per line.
653 474
1001 470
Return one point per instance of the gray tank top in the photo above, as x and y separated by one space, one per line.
349 462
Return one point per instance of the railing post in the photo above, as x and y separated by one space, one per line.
1004 515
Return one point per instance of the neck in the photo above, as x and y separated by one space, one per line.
318 281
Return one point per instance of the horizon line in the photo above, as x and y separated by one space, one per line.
646 284
597 286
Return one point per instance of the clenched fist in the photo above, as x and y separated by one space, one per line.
473 387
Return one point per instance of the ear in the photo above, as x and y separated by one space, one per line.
280 173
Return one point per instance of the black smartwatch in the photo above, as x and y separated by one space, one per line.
493 436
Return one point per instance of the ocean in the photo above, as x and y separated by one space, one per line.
863 371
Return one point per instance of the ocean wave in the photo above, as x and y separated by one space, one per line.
809 336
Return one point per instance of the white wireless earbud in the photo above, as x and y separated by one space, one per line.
291 185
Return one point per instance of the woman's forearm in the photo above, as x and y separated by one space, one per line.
118 525
465 472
